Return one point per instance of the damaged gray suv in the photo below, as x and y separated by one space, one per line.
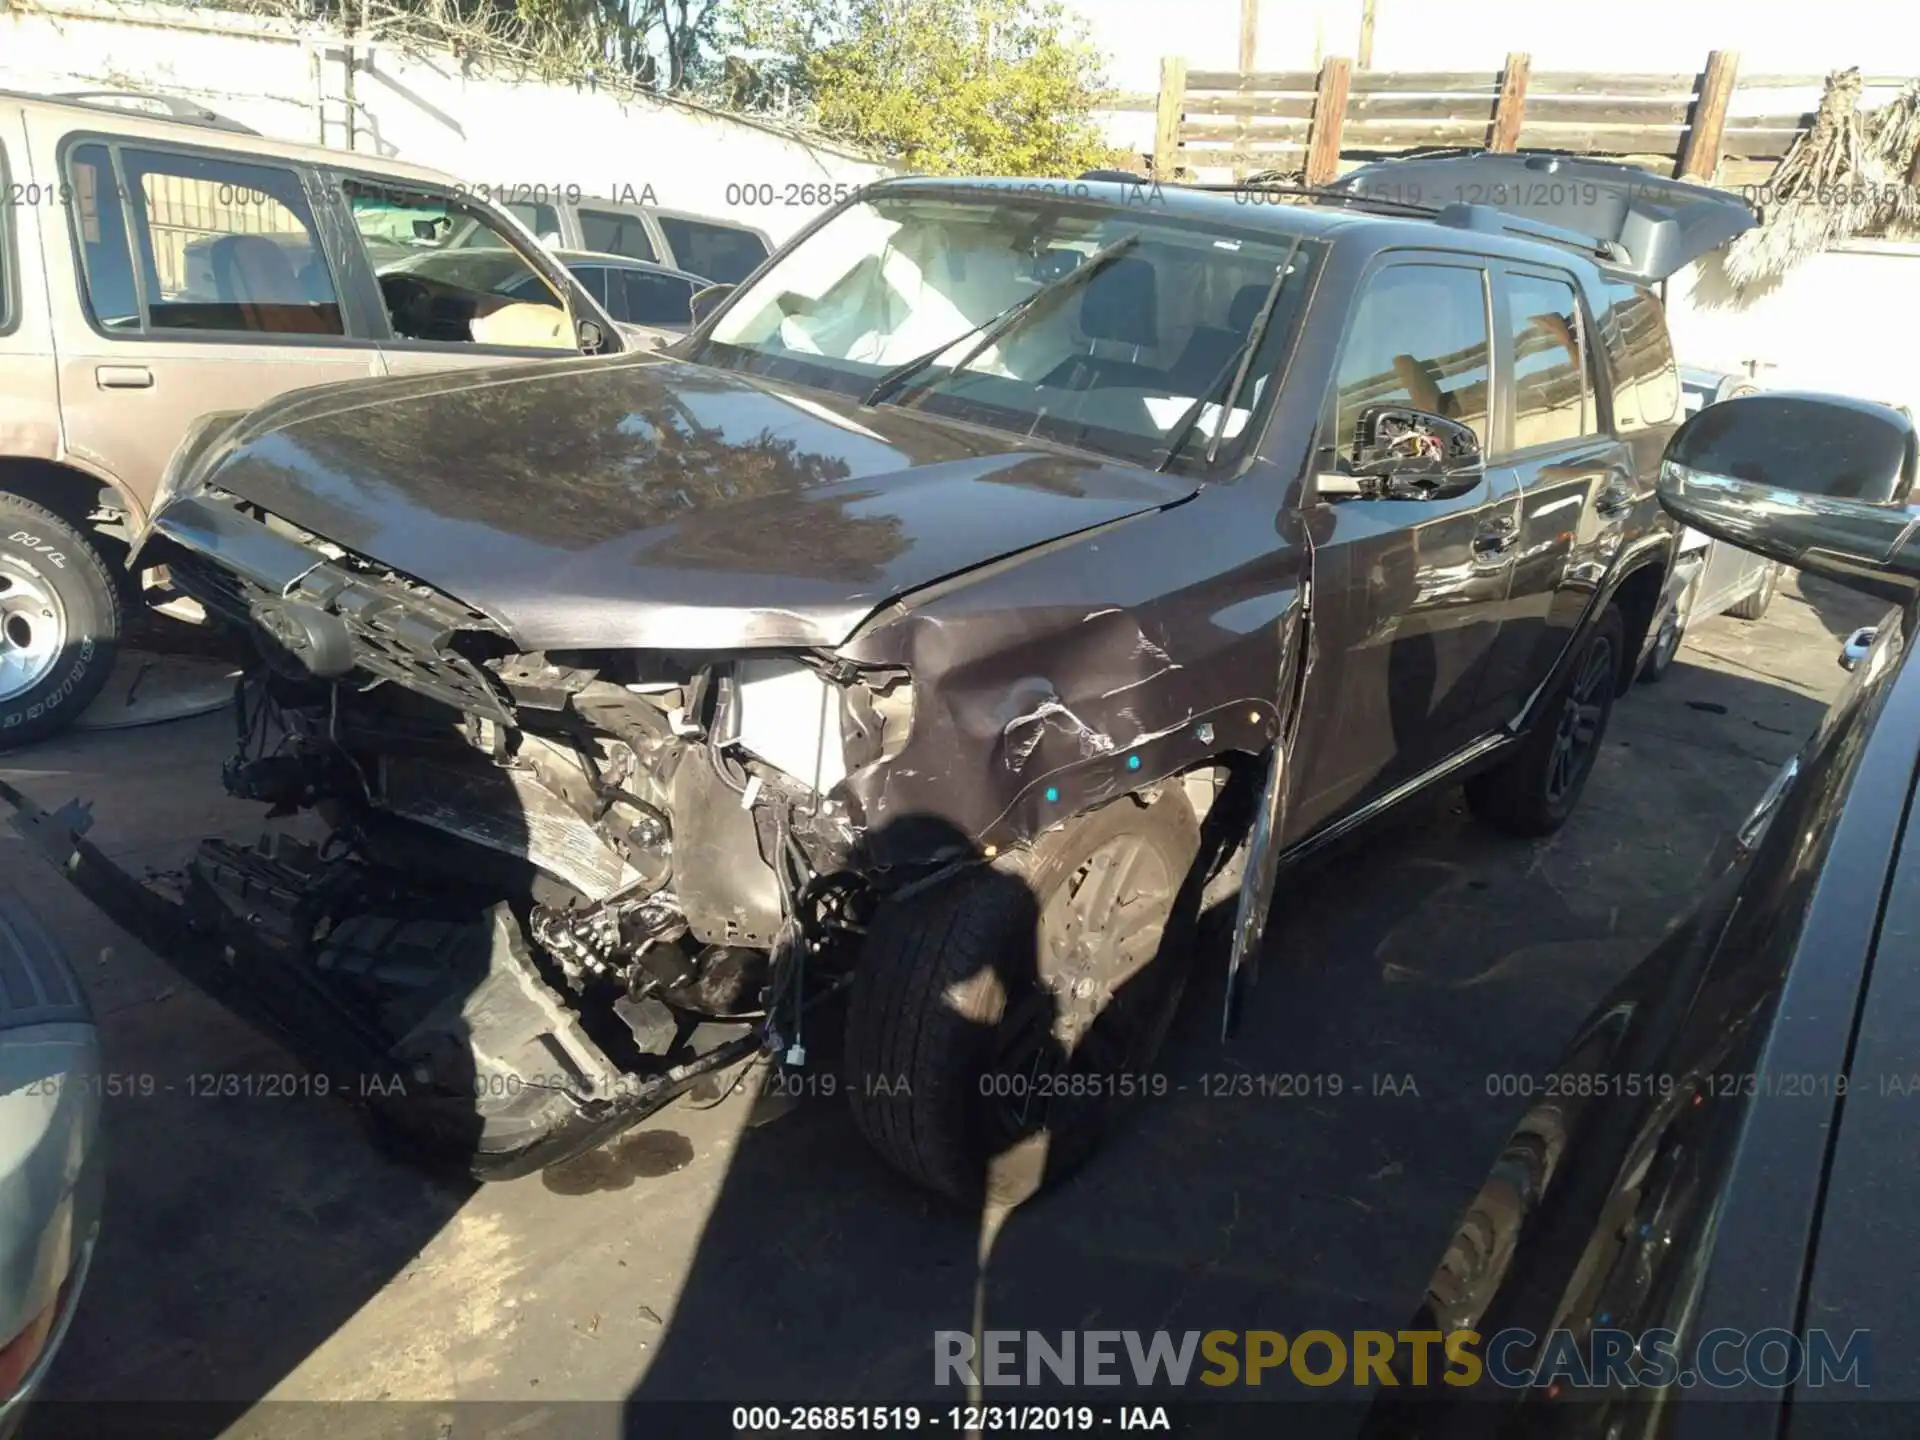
891 673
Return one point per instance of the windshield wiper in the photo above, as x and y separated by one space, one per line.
1237 366
994 327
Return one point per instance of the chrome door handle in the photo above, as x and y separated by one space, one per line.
123 377
1495 538
1617 496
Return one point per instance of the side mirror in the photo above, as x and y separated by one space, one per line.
1824 483
592 341
1406 454
705 302
1857 646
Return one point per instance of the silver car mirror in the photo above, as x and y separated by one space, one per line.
1823 483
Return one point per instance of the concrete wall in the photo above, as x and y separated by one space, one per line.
484 130
1843 320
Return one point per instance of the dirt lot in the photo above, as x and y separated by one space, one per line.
257 1246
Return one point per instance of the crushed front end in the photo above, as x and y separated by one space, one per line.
520 900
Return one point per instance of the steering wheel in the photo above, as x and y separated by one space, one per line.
409 304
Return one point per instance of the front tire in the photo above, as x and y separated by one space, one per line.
997 1021
60 622
1534 791
1754 606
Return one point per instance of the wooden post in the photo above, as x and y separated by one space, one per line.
1249 48
1509 109
1700 153
1329 118
1166 125
1364 59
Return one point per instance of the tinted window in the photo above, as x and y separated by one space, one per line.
1550 399
612 233
1418 338
647 299
722 253
1646 379
99 226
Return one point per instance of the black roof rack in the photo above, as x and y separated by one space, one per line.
1484 218
1351 199
168 107
1487 218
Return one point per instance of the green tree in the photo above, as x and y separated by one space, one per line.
982 87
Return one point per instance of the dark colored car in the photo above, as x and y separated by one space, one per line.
1002 576
1706 1218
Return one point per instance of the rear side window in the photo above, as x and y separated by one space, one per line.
7 262
100 229
219 246
1551 402
1418 338
647 299
1646 378
612 232
722 253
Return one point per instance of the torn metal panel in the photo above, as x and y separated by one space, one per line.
1100 667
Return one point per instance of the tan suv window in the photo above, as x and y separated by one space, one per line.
612 232
449 274
224 246
7 262
100 228
1550 396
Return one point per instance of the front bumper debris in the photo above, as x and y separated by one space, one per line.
526 1090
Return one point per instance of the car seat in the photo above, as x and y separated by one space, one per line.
1118 310
254 274
1209 348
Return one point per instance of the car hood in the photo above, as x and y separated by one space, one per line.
643 502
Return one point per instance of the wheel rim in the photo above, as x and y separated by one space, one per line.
1098 930
33 627
1667 645
1578 733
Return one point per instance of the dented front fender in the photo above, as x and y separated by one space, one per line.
1047 687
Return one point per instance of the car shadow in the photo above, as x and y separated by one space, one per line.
1841 611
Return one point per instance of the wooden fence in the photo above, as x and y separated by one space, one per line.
1715 125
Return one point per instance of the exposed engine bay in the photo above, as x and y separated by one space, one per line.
592 903
552 888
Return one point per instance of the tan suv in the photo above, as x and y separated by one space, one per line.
155 269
